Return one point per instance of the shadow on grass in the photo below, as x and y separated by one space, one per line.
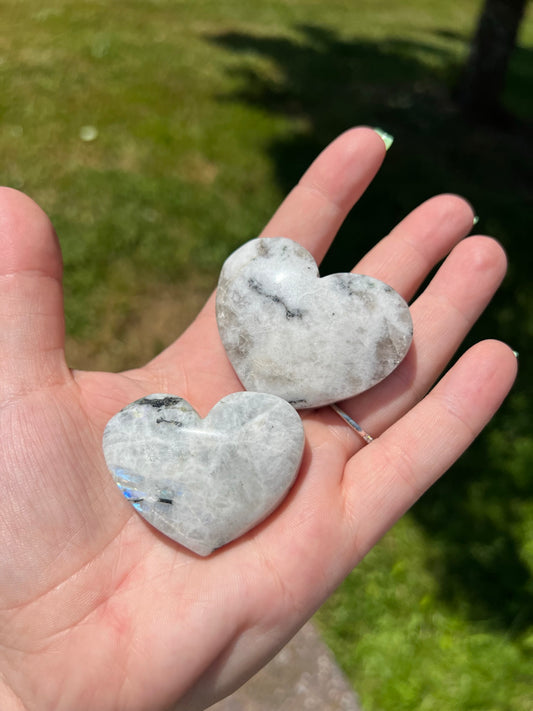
476 514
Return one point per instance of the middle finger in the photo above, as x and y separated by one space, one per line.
405 257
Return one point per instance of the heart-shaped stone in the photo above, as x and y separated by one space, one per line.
308 340
205 482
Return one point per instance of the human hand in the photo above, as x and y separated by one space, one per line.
100 611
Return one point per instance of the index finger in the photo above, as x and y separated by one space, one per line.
311 214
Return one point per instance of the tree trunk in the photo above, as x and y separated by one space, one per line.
483 80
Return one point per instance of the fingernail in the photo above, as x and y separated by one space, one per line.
386 137
475 220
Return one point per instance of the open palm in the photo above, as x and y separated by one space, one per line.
98 610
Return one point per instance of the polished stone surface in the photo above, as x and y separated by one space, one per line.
308 340
205 482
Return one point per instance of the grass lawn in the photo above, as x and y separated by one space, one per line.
160 134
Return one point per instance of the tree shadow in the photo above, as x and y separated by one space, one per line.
329 83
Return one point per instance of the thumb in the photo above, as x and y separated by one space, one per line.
32 332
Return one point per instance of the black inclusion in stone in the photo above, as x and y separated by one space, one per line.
158 403
259 289
168 422
165 501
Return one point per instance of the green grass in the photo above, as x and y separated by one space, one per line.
205 114
406 650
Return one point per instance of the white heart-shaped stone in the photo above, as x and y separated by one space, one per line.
308 340
205 482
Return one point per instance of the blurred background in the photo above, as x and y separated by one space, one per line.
161 134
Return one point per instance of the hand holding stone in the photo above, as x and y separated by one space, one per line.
287 333
96 609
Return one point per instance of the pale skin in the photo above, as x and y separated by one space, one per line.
99 611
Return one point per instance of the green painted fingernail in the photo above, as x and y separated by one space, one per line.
475 220
388 140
